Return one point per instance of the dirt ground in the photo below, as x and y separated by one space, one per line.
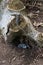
11 55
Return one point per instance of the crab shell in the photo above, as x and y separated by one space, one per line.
16 6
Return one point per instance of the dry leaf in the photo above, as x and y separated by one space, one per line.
38 24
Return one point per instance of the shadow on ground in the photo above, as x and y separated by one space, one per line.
16 56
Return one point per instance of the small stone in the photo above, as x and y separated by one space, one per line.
42 55
23 46
3 61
